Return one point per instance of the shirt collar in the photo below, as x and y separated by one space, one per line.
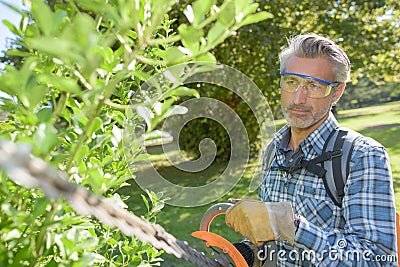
316 139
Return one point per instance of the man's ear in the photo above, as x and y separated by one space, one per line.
338 92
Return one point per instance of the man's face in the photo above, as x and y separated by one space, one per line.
299 110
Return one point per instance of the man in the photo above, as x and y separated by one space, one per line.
310 229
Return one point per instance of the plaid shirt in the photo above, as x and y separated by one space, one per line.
362 232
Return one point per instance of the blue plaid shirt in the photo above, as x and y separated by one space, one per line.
362 232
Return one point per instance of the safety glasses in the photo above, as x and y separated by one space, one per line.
314 87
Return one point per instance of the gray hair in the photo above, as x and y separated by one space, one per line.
315 46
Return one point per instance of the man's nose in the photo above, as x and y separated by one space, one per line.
300 95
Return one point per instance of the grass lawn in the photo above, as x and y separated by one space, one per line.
380 122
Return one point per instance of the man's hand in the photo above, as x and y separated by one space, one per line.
262 221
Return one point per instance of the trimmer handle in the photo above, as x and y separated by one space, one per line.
214 240
211 213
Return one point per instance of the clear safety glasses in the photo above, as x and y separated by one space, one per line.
314 87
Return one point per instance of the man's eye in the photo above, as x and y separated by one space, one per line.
291 81
314 86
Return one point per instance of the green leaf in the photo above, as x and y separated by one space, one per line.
48 21
146 202
206 57
95 161
174 55
17 53
96 180
159 8
200 8
182 91
216 34
111 241
45 138
23 84
93 5
21 255
76 45
12 28
132 34
253 18
96 125
127 249
118 116
250 9
44 114
82 152
36 95
54 46
42 13
62 83
141 75
108 55
136 261
52 263
227 14
166 105
240 5
190 35
40 207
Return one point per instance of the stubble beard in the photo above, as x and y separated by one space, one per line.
299 121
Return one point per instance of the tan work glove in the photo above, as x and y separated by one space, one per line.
262 221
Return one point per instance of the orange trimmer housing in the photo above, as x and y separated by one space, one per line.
214 240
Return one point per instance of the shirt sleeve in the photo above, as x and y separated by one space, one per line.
369 234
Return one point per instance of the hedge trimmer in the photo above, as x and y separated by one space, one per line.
32 172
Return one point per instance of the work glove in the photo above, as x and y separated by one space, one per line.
262 221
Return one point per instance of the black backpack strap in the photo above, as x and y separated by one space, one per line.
313 165
340 143
334 169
